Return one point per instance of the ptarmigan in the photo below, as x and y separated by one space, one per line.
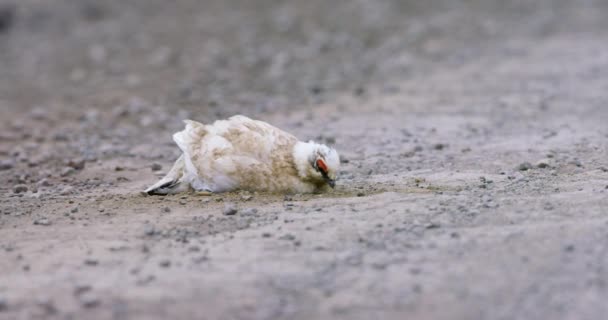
244 154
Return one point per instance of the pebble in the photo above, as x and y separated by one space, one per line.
165 263
156 166
82 288
229 209
7 164
20 188
3 304
66 190
542 164
249 211
44 183
246 197
67 171
266 235
77 164
91 262
7 17
432 225
439 146
165 210
47 305
149 230
525 166
360 194
89 300
288 236
42 222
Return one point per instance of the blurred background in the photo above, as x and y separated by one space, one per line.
214 58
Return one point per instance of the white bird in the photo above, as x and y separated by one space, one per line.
244 154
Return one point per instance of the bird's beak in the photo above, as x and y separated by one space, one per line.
330 182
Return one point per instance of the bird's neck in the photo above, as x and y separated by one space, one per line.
303 156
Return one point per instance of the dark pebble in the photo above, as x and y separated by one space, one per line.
439 146
42 222
7 17
525 166
156 167
166 263
20 188
249 211
89 300
6 164
91 262
288 236
229 209
77 164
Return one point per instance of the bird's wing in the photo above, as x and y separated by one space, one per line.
238 152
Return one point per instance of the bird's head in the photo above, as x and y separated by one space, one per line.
317 162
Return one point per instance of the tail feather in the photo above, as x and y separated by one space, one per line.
173 182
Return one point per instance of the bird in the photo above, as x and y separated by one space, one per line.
240 153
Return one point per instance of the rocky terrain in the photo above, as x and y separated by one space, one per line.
473 137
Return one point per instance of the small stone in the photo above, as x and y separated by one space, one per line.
194 249
82 288
149 230
66 190
42 222
6 164
246 197
183 202
91 261
432 225
74 210
165 210
7 17
525 166
3 304
77 164
66 171
569 248
543 164
20 188
89 300
47 305
360 194
249 211
44 183
165 263
229 209
156 166
439 146
266 235
288 236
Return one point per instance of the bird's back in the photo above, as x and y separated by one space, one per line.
238 153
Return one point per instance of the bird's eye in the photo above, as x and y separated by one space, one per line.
321 166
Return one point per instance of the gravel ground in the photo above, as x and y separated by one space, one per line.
473 136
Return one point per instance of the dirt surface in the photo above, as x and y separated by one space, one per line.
474 138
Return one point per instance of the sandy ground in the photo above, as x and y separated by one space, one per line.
474 138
